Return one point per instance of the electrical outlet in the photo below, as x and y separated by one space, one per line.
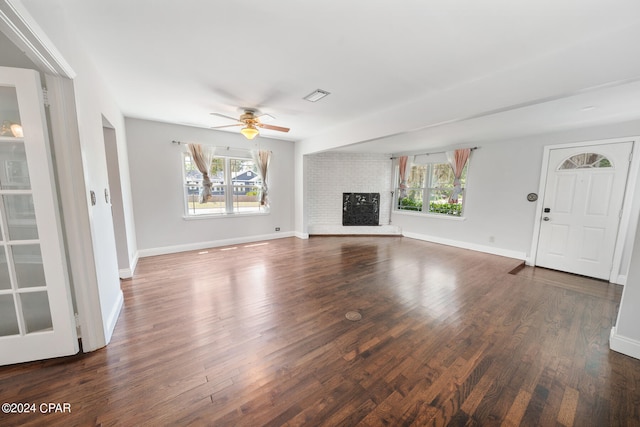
277 228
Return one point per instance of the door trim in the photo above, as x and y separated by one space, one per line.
20 27
630 210
75 216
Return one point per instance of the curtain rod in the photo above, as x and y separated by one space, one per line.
433 152
216 146
220 147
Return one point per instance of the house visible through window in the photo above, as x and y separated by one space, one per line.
430 189
235 187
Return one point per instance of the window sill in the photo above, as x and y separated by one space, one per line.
430 215
225 215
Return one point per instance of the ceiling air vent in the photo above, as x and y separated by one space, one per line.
316 95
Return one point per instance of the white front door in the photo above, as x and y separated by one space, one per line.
582 204
36 315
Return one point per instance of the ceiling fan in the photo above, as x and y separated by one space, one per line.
251 121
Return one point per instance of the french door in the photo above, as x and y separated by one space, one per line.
36 312
583 198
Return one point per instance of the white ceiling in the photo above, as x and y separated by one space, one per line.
434 73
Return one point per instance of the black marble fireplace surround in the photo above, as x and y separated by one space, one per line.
360 208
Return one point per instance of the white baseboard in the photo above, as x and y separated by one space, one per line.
466 245
621 279
112 319
142 253
303 236
127 273
330 229
624 345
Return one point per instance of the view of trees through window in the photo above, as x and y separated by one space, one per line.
235 187
434 183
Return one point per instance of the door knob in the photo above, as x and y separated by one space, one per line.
546 218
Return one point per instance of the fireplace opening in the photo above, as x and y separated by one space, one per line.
360 208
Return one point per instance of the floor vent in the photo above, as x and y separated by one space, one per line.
354 316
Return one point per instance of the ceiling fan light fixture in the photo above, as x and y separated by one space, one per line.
316 95
249 132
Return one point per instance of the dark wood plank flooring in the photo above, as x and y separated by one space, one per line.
256 334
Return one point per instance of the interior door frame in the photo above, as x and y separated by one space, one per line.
630 207
18 25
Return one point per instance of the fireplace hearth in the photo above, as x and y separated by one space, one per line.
360 208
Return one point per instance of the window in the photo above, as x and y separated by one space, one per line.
586 161
235 187
433 182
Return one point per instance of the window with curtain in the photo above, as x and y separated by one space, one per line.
432 186
236 187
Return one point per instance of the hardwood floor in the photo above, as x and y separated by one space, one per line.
256 335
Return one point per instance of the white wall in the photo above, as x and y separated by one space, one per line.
330 174
500 176
497 215
625 336
157 188
93 102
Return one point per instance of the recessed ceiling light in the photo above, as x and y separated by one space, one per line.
316 95
588 108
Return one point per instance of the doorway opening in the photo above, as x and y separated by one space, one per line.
113 196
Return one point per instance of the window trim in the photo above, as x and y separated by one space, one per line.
223 215
228 195
430 214
426 191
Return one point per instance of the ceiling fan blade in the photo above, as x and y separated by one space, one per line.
278 128
227 126
235 119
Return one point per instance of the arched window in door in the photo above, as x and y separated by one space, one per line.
586 161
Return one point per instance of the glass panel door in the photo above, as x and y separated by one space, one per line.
23 292
35 309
